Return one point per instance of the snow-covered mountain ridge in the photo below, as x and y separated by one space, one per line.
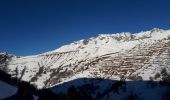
109 56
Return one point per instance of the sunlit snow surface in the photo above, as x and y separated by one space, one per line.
67 57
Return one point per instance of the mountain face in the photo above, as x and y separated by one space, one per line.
131 57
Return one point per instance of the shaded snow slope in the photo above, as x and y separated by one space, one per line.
6 90
105 89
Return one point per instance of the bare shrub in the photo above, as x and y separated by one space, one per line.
165 75
157 75
136 78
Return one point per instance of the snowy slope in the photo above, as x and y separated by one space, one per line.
6 90
106 56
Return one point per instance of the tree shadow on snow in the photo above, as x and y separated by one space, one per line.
91 89
96 89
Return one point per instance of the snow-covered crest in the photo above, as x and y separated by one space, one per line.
109 40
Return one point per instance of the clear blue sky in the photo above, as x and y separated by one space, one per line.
30 27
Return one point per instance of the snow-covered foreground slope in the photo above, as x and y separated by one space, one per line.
105 89
109 56
6 90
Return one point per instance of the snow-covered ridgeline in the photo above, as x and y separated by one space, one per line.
71 58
